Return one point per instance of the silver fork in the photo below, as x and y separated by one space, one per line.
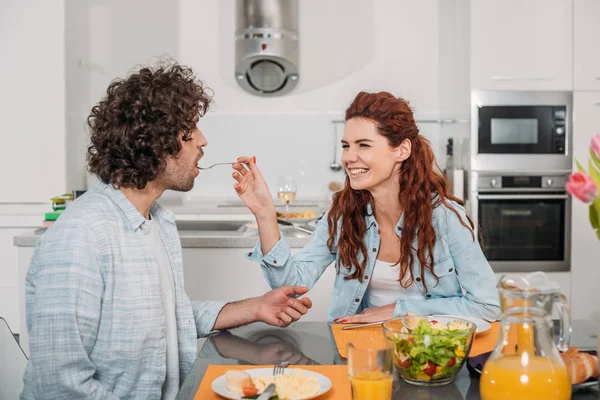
277 370
223 163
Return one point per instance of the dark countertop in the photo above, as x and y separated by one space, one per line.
312 343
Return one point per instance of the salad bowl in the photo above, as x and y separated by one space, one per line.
429 350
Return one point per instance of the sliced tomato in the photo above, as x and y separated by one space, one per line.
433 321
430 370
411 340
404 364
249 391
451 362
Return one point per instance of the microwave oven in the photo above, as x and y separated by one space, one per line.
521 130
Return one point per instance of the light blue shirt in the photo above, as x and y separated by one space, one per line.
467 284
95 312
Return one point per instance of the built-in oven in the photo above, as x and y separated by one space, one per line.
520 130
524 219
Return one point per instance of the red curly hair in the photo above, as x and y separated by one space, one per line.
420 178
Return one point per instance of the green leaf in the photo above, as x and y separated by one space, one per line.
580 167
594 158
594 174
594 217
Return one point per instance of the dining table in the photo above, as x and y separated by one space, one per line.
312 343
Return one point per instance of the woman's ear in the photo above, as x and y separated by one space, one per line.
404 150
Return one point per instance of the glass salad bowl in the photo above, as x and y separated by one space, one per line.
429 350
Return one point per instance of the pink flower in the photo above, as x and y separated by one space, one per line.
595 146
582 186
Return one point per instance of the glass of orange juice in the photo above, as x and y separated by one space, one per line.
370 370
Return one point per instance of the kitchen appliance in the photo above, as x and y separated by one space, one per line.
266 46
455 175
524 218
521 131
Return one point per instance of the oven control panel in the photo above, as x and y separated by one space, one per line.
491 182
558 131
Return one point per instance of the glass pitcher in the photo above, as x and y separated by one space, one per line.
526 362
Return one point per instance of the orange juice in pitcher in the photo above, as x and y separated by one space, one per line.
507 377
526 363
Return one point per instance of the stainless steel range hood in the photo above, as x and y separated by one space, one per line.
266 46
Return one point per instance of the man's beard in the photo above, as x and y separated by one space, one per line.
178 181
183 184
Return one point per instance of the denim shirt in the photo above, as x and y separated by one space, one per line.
95 314
467 284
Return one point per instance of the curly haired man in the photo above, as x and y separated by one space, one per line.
107 314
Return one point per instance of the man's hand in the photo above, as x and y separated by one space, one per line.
278 308
373 314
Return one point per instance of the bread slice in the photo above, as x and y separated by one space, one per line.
237 380
590 363
580 366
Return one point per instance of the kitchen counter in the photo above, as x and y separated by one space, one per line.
198 239
223 212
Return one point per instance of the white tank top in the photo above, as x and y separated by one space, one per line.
167 285
384 287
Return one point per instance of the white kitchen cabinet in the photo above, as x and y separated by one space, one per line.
586 44
14 220
585 250
522 44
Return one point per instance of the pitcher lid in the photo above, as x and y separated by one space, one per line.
533 282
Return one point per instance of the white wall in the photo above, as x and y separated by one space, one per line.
32 100
357 45
585 254
401 56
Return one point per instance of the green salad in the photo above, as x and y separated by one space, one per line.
436 352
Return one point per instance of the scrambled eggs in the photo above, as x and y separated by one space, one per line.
291 386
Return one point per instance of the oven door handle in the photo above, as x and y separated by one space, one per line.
523 196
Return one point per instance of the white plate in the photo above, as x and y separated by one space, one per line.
481 324
220 388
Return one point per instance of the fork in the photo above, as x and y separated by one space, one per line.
277 370
223 163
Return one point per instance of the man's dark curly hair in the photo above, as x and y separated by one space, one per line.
136 126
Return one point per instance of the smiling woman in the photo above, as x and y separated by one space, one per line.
399 240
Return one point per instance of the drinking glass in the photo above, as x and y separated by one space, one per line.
286 191
370 370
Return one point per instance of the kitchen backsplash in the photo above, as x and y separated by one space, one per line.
297 145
